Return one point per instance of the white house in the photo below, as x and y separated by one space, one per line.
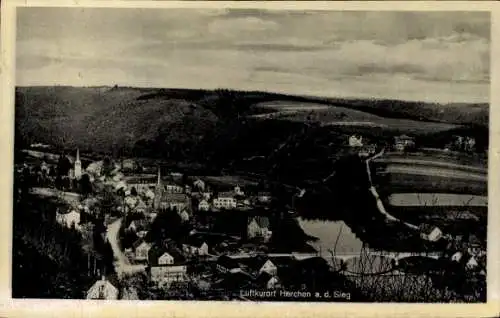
149 194
238 191
173 188
141 249
103 289
166 259
225 200
163 276
433 236
272 283
456 257
259 227
69 219
355 141
196 249
184 215
471 263
269 268
203 205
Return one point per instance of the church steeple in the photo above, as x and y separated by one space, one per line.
78 165
158 183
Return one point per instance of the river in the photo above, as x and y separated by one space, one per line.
332 235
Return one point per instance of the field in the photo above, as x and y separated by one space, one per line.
448 190
343 116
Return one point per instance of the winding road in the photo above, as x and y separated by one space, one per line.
122 263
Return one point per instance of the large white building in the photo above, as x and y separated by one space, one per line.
225 200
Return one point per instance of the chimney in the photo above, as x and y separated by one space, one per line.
77 154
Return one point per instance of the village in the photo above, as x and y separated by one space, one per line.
166 234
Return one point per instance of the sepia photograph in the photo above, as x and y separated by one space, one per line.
250 154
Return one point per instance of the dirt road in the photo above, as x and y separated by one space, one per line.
122 263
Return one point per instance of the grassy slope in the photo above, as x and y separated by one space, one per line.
103 119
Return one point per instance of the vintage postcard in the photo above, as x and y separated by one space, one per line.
273 153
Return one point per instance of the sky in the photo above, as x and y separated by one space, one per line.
425 56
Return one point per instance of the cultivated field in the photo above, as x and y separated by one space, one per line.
343 116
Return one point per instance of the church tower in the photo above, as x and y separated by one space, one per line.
78 165
158 191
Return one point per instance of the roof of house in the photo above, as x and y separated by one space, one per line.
262 221
227 262
175 197
108 279
226 194
157 251
138 243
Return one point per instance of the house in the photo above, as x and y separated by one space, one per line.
152 216
264 197
141 250
226 264
199 184
471 263
141 207
69 220
195 247
267 281
178 201
165 259
206 195
138 225
225 200
164 275
238 191
129 165
103 289
184 215
203 205
173 188
367 150
404 142
130 202
269 267
142 183
259 227
434 235
355 141
456 257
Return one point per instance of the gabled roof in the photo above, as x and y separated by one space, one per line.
138 243
154 254
174 197
262 221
